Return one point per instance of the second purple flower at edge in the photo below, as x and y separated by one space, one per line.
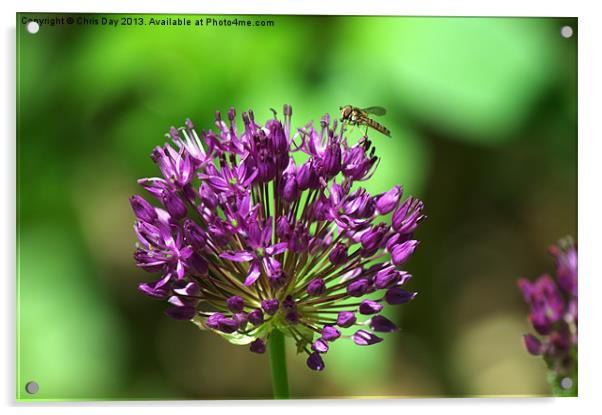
553 303
246 240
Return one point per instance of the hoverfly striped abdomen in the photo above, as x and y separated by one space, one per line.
359 117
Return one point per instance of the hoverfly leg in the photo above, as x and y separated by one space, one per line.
352 128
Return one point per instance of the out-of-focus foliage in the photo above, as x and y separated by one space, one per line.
483 117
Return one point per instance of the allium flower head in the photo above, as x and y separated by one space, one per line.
553 312
247 240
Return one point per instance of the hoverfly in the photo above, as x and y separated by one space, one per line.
359 116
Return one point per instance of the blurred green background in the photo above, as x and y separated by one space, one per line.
483 114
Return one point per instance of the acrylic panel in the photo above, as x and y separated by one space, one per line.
258 207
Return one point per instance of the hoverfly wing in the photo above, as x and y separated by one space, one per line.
375 110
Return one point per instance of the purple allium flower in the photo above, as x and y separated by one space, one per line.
553 313
244 239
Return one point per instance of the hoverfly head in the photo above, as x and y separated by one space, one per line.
345 112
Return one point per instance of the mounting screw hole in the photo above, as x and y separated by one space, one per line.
566 32
566 383
33 27
32 387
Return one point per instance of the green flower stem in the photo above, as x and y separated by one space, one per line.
278 365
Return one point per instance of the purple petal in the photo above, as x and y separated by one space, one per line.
218 235
186 252
386 277
177 301
153 291
315 362
155 185
533 344
396 295
393 240
241 256
320 346
388 201
346 319
289 303
266 234
277 279
241 319
174 205
194 234
253 275
338 255
329 333
358 288
142 209
316 287
365 338
149 263
382 324
214 319
270 306
540 322
276 248
235 303
292 317
227 325
402 252
149 290
258 346
272 265
190 288
181 313
368 307
256 317
180 270
198 264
